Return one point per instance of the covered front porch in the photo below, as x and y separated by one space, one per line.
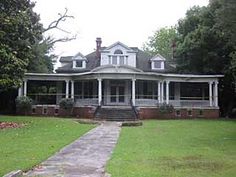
125 91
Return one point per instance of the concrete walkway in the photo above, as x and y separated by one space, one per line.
87 156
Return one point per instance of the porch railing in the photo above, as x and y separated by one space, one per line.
141 100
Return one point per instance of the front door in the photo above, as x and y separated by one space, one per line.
117 92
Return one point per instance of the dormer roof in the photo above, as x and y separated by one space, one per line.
79 56
158 57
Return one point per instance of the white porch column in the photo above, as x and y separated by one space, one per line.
25 87
133 91
167 92
210 93
162 92
72 89
20 89
159 91
177 91
99 92
216 94
67 88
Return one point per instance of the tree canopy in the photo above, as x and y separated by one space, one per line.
162 42
23 45
206 45
19 31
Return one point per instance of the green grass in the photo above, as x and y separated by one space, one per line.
176 148
23 148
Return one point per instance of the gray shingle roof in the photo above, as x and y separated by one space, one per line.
143 63
66 59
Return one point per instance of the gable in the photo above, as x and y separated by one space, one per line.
117 45
118 54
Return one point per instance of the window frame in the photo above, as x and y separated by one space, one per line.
83 64
76 63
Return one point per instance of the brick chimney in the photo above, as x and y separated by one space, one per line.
98 47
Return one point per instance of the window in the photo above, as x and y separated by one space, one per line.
200 112
157 64
118 52
79 64
45 110
56 111
33 110
122 60
190 113
114 60
178 113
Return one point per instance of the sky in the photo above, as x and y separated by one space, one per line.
128 21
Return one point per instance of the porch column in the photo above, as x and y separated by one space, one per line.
99 92
133 91
162 92
72 89
167 92
210 93
20 89
67 88
159 91
216 94
25 87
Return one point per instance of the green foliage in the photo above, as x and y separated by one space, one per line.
23 104
40 137
66 103
166 108
19 31
161 42
175 148
42 62
206 44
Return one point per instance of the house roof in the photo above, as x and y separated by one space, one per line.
142 62
118 43
66 59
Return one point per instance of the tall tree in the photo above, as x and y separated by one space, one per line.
206 45
43 49
19 31
162 42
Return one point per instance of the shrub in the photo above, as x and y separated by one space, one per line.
66 103
166 108
23 104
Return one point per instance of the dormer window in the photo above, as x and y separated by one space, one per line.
79 64
158 62
118 60
79 61
118 54
114 60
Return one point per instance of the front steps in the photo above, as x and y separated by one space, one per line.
115 113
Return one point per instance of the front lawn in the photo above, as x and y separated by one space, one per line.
176 148
23 148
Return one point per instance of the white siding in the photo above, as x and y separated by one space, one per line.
131 60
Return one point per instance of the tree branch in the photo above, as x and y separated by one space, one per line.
55 23
65 39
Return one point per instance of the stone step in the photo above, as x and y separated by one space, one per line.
115 114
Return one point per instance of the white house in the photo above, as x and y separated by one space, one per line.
119 78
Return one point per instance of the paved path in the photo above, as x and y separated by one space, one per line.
87 156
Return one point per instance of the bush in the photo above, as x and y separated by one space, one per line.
166 108
23 104
66 103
